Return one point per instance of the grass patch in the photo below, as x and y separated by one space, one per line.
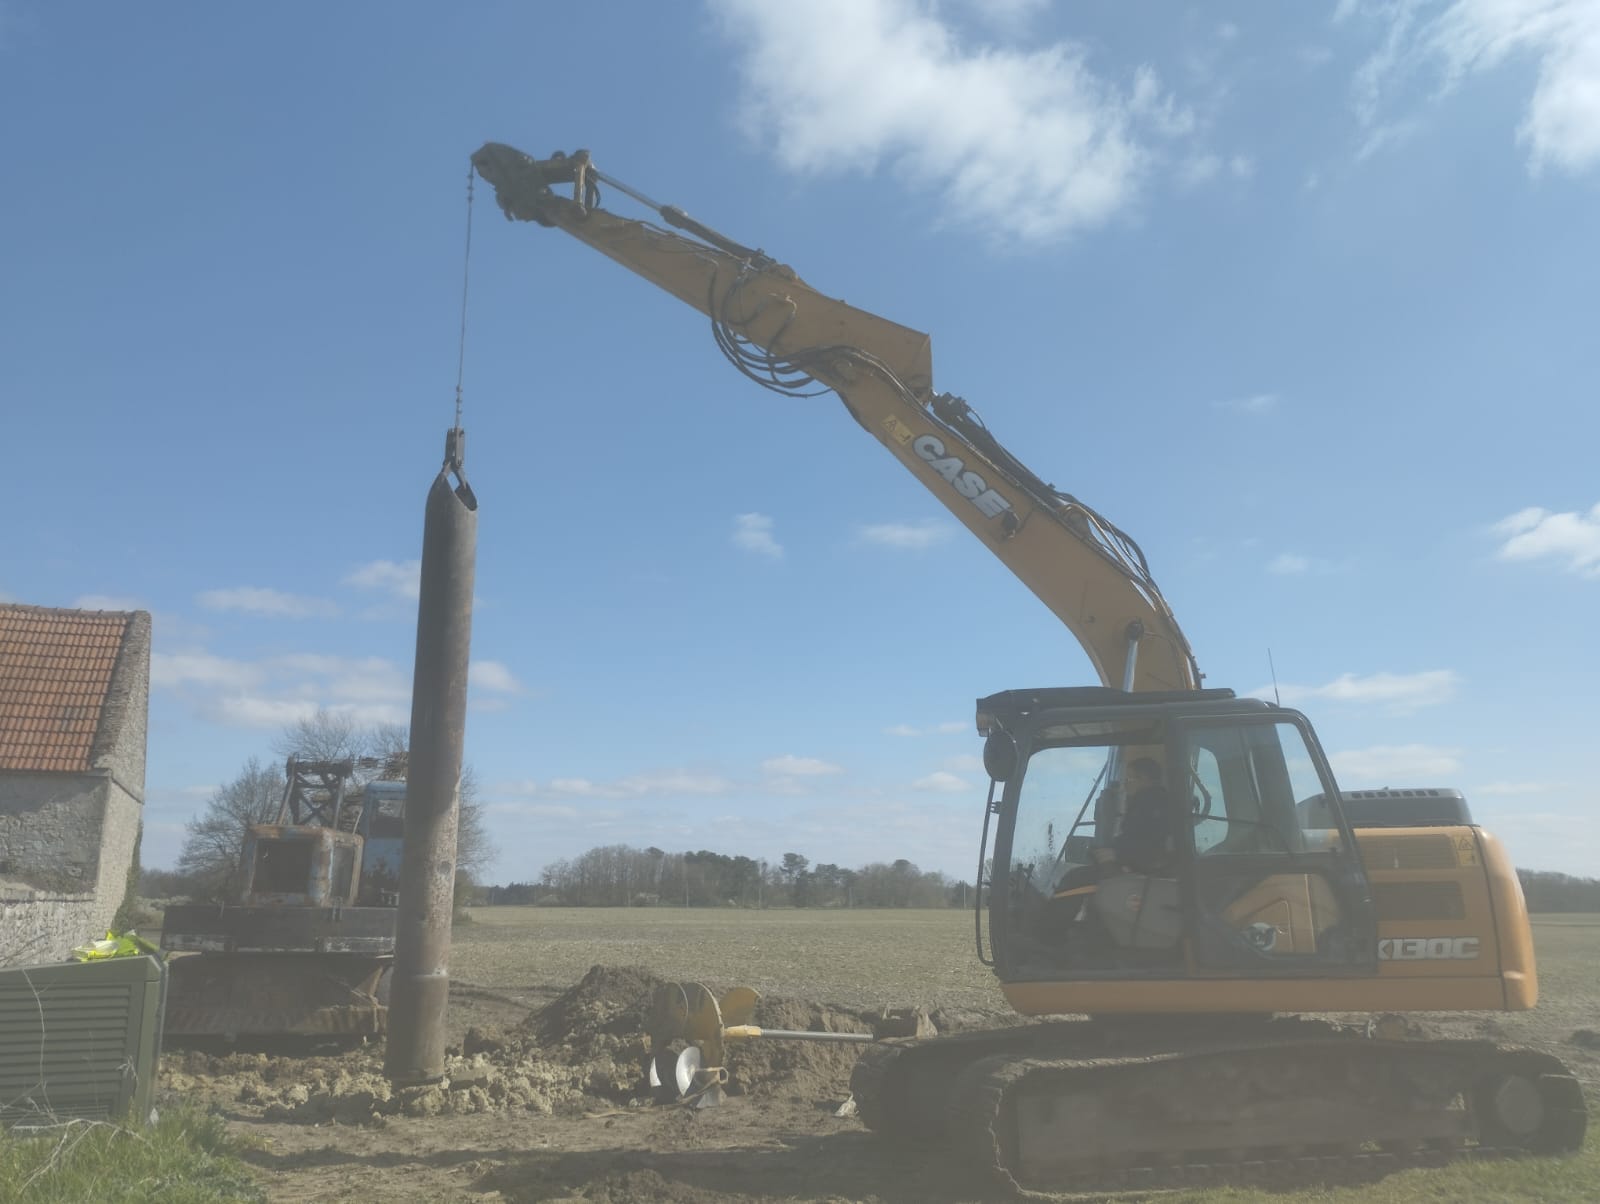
187 1157
1514 1181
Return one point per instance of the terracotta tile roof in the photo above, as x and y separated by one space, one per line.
55 669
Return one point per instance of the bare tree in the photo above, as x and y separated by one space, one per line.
324 736
474 851
214 840
334 735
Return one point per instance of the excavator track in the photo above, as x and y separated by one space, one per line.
1080 1107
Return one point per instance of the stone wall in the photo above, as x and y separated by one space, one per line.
37 926
50 830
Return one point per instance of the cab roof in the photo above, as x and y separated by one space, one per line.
1011 706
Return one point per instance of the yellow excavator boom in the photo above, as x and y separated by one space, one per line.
789 337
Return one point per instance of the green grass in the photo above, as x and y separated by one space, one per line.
187 1157
1519 1181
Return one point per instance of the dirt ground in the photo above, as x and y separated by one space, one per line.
545 1100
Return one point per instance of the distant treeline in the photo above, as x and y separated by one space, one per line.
1559 892
621 876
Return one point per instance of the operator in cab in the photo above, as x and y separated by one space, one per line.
1140 841
1143 840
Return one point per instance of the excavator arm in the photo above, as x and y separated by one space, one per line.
790 338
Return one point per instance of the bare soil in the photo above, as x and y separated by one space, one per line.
545 1100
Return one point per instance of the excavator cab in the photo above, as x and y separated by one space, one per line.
1232 858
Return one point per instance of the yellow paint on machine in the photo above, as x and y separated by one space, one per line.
1433 886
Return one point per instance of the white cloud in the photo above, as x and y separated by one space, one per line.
537 811
1396 765
1514 789
1397 693
1387 134
664 782
907 535
106 602
255 600
753 533
937 729
1199 169
1561 124
492 675
521 787
1547 840
170 670
1009 16
799 767
402 578
1293 564
941 782
1536 534
1027 141
284 689
246 711
1253 403
347 679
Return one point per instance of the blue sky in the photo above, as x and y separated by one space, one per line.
1304 297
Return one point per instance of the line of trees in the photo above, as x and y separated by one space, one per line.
621 875
1546 891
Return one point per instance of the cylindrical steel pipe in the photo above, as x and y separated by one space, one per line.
420 989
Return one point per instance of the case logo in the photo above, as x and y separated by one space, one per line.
967 483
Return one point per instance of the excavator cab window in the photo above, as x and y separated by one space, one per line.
1175 841
1273 889
1084 834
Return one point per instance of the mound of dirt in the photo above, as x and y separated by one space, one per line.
585 1046
603 1017
814 1070
600 1017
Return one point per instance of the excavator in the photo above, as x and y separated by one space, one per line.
1209 962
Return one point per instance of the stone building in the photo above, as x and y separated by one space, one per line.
74 703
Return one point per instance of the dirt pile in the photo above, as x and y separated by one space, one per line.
587 1047
813 1070
352 1089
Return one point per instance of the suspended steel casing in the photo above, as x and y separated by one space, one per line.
420 992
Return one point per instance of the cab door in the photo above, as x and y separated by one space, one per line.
1274 882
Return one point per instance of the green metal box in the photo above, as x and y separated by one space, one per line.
80 1040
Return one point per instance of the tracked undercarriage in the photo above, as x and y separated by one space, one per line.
1086 1104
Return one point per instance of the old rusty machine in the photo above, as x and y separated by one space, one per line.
305 948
